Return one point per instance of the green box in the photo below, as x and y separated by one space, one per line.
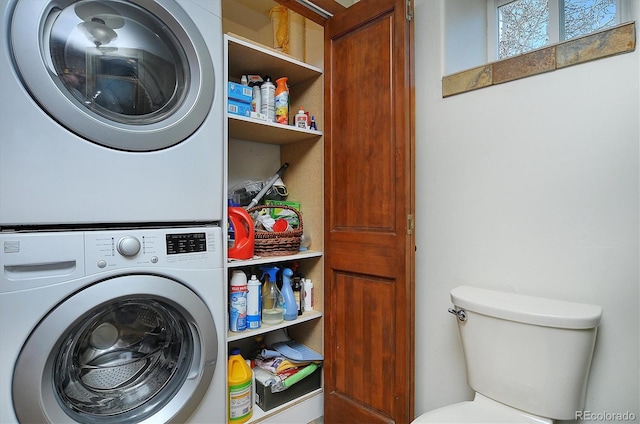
276 213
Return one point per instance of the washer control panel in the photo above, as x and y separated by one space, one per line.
189 247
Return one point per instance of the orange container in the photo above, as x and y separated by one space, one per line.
244 233
282 101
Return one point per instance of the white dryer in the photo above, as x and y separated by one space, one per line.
113 326
112 112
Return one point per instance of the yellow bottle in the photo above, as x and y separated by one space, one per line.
240 386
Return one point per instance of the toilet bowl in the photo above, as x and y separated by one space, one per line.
480 410
528 358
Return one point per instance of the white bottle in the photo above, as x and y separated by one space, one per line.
256 99
308 294
300 119
238 301
254 303
268 99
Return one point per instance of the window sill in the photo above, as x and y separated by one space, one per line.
609 42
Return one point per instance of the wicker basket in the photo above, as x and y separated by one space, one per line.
277 243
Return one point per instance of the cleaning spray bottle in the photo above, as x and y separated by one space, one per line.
290 305
272 302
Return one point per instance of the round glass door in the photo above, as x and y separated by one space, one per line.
130 349
114 72
122 357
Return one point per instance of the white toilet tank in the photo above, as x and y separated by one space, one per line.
529 353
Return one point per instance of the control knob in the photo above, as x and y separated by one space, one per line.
128 246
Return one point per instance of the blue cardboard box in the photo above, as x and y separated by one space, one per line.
241 93
238 108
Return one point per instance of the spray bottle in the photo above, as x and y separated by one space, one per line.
290 305
268 99
282 101
272 302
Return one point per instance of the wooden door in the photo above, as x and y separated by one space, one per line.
369 245
369 203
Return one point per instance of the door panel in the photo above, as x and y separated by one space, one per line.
368 198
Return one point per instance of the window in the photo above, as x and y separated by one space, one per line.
518 26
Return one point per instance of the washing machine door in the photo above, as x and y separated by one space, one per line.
132 75
136 348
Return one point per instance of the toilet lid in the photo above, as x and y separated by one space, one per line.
482 410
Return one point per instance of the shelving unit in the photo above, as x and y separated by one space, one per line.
306 316
303 150
269 260
246 128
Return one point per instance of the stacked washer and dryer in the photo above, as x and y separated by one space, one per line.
112 286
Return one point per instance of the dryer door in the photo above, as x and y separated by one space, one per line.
136 348
130 75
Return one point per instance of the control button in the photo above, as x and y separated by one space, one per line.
128 246
154 260
102 263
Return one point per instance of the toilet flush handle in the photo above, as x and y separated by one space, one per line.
460 313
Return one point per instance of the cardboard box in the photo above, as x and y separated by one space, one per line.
241 93
267 400
238 108
276 213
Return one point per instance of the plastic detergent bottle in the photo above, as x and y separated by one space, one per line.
254 303
238 301
272 303
290 305
239 386
282 101
242 231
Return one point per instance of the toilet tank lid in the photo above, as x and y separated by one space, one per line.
527 309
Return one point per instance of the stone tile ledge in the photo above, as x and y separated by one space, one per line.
609 42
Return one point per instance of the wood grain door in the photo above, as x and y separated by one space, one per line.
369 207
369 244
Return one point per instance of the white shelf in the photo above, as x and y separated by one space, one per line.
245 57
245 128
273 259
306 316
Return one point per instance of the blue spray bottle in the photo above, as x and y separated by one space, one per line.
290 305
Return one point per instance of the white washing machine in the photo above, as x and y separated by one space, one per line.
111 112
113 326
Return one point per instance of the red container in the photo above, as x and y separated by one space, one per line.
244 233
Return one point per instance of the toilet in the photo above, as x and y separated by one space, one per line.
527 358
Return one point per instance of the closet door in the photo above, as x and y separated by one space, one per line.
369 242
369 208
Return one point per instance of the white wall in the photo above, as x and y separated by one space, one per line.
464 35
533 187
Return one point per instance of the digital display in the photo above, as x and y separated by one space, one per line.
186 243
